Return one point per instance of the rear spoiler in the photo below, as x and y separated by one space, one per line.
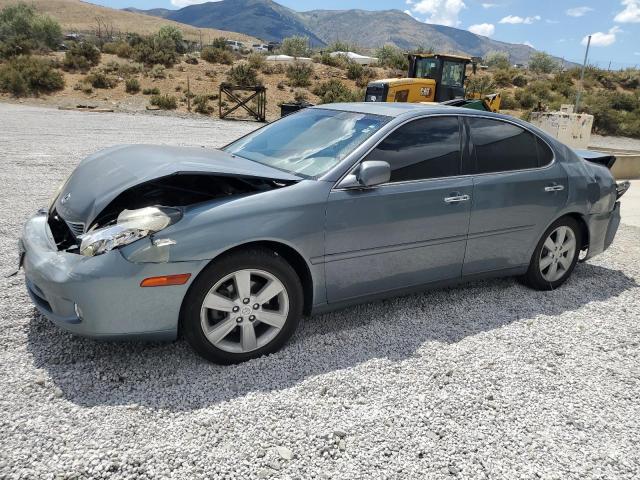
604 159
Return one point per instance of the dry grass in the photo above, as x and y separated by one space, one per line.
77 16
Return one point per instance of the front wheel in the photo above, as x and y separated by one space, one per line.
242 306
555 256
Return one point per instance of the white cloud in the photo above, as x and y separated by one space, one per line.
485 29
490 5
600 39
514 19
186 3
528 44
578 11
631 12
441 12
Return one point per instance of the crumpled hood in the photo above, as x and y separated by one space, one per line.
101 177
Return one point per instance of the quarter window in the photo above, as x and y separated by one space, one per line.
421 149
502 146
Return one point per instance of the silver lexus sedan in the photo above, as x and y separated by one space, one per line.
330 206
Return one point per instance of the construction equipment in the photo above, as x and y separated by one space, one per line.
433 77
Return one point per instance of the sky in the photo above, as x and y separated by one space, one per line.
559 27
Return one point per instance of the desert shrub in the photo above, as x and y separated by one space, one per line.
623 101
563 84
124 69
109 47
121 49
519 80
339 46
540 90
151 91
100 79
508 102
300 96
525 99
299 74
497 60
541 62
338 61
242 74
480 84
219 42
629 78
22 31
26 75
81 56
334 91
171 34
360 74
132 85
503 78
295 46
165 102
273 68
158 72
392 57
158 49
201 104
256 61
217 55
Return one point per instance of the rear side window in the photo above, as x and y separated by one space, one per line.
502 146
421 149
545 155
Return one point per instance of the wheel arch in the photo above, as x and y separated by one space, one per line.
290 254
584 228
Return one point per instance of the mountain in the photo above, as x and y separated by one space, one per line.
270 21
264 18
79 16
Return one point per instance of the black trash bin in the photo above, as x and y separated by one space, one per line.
289 108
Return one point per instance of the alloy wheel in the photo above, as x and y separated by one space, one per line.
557 254
244 311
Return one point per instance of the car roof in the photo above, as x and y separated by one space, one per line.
399 109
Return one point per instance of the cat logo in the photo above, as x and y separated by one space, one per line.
425 91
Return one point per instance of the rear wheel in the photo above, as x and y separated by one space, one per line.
555 256
244 305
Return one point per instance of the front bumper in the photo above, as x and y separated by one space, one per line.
100 296
602 230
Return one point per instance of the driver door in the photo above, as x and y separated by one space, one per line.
409 231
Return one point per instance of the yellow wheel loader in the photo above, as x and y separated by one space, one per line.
432 77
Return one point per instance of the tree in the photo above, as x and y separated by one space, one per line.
22 31
295 46
541 62
498 60
172 34
392 57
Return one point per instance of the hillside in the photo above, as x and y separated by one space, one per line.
75 15
264 19
367 29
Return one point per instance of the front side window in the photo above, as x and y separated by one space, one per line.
453 74
427 68
422 149
502 146
310 142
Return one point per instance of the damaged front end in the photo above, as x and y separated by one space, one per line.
148 208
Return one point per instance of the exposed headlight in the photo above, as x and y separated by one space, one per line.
130 226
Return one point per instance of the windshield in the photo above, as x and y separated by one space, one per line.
310 142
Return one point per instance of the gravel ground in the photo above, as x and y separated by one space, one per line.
488 380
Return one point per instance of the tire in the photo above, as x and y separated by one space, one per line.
549 254
228 329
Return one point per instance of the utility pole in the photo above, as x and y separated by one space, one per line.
584 64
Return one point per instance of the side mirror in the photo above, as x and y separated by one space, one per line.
369 174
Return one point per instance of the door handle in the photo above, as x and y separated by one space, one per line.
457 199
554 188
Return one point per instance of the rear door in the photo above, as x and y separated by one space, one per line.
410 231
518 189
